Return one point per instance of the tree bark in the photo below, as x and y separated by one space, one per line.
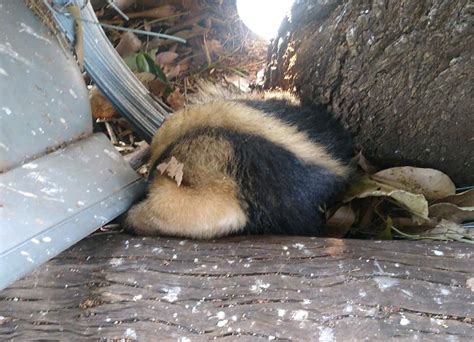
399 75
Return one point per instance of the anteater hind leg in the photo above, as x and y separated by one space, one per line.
201 212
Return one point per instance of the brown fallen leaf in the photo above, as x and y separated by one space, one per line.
214 46
367 187
176 100
340 222
173 168
448 230
152 83
433 184
166 57
100 106
129 44
451 212
156 13
463 199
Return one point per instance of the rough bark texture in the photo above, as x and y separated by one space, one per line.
128 288
398 73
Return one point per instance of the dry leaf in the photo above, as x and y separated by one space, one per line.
433 184
447 230
364 164
176 100
173 168
156 13
152 83
366 187
166 57
340 222
451 212
214 46
128 45
100 106
463 199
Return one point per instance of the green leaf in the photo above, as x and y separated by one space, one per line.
142 63
155 69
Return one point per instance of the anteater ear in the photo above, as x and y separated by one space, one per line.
199 212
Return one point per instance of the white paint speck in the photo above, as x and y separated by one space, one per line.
29 166
299 315
437 253
62 120
445 292
348 309
7 50
7 110
306 301
220 315
404 321
220 324
281 312
326 334
73 94
3 72
385 283
114 262
46 239
130 333
171 293
24 253
35 240
259 286
137 297
5 147
20 192
408 293
25 28
300 246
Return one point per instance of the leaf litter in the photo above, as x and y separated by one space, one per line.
403 202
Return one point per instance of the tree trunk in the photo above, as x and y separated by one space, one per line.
399 74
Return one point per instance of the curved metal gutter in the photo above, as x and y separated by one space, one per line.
112 76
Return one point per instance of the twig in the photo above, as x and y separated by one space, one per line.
111 133
118 10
